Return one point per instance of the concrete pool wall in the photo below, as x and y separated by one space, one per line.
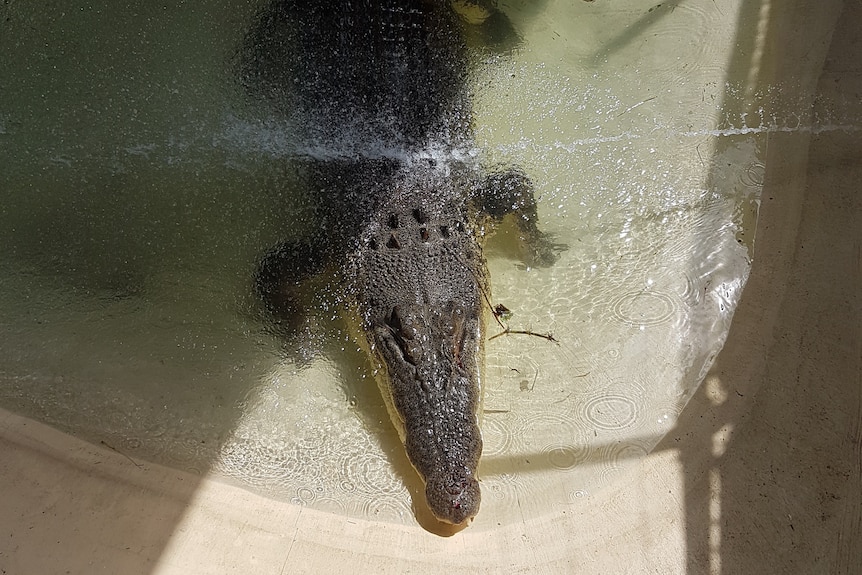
762 472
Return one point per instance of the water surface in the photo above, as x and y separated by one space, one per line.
140 188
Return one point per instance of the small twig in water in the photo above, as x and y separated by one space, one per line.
507 331
630 108
112 448
500 310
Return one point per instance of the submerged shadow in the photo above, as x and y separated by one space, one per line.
652 16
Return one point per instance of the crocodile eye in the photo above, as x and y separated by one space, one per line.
459 331
393 220
403 327
404 332
394 319
444 231
393 242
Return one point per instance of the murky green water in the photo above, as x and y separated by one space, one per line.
140 188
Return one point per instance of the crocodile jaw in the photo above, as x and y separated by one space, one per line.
430 377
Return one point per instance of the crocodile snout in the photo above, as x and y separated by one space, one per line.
453 497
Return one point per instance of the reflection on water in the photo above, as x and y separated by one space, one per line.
140 188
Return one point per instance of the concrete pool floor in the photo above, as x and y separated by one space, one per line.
761 474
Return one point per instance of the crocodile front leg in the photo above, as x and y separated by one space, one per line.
283 270
510 192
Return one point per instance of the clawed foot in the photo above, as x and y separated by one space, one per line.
542 251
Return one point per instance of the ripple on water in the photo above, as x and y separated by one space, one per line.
496 436
270 466
578 495
692 41
599 361
540 430
754 176
503 494
680 282
132 443
616 456
503 473
611 412
617 404
188 454
387 509
304 496
645 308
244 463
564 457
372 474
330 504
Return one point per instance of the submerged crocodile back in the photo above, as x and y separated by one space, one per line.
380 87
391 72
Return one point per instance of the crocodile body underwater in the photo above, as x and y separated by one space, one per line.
401 209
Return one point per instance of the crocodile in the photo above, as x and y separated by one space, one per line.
401 210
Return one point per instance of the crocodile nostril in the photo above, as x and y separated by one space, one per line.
393 242
372 243
420 215
393 220
444 231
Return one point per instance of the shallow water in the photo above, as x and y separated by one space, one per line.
140 188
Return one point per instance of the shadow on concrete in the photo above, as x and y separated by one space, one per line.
771 443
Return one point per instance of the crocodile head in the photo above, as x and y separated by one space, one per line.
431 376
419 279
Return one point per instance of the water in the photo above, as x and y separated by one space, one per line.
140 188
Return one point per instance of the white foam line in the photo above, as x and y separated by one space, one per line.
569 146
773 130
597 140
273 140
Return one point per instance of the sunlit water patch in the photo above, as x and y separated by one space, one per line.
132 227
